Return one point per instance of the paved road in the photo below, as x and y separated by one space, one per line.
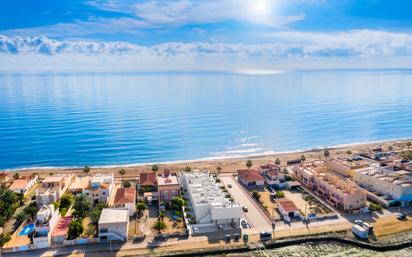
257 219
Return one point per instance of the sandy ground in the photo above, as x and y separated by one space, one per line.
228 164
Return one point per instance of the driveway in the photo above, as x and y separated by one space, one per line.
255 216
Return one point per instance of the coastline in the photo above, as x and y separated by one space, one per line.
227 162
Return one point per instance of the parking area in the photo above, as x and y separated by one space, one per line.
255 216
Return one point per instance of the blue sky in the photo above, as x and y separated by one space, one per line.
260 33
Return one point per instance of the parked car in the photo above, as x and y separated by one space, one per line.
227 239
401 216
236 237
245 209
195 230
229 185
265 236
244 224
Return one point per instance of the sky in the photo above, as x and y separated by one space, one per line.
263 36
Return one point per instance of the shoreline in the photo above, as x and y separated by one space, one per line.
219 161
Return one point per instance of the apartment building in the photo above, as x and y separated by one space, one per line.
52 188
210 205
347 167
341 192
79 184
101 187
388 185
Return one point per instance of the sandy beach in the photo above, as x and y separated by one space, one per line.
229 165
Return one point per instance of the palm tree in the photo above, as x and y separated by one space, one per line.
219 169
122 172
86 169
390 148
140 207
277 162
348 152
159 226
326 153
249 164
155 167
162 215
302 159
16 175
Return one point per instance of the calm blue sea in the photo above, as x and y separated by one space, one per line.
100 119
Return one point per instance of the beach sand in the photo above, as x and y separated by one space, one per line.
228 165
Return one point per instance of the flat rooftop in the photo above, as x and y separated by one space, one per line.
113 216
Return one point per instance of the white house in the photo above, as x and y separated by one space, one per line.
101 187
113 225
288 209
23 185
210 204
126 197
47 218
52 188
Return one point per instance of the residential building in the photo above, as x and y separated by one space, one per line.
273 175
101 187
80 184
346 167
126 197
251 178
339 191
24 184
168 187
288 209
148 179
52 188
211 206
387 185
113 225
47 218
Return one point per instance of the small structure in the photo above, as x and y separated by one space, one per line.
148 179
101 187
288 209
273 176
113 225
251 178
126 197
360 232
52 188
168 187
24 184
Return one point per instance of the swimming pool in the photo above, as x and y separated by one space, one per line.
27 229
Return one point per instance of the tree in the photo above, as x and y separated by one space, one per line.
31 210
126 184
122 172
82 206
326 153
159 226
75 229
390 148
277 161
97 211
249 164
409 144
66 201
86 169
16 175
140 207
188 169
280 194
302 158
348 152
9 201
155 168
218 169
162 215
256 195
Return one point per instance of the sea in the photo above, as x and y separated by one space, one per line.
73 119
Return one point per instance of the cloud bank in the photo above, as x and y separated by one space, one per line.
290 50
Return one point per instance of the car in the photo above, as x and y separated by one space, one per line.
229 185
265 235
401 216
244 224
227 239
359 222
195 230
245 209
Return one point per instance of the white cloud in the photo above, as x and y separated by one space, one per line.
292 50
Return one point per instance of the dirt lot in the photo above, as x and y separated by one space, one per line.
391 225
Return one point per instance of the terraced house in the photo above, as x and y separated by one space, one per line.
341 192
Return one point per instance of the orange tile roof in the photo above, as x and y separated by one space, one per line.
125 195
250 175
19 183
148 178
62 226
287 205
